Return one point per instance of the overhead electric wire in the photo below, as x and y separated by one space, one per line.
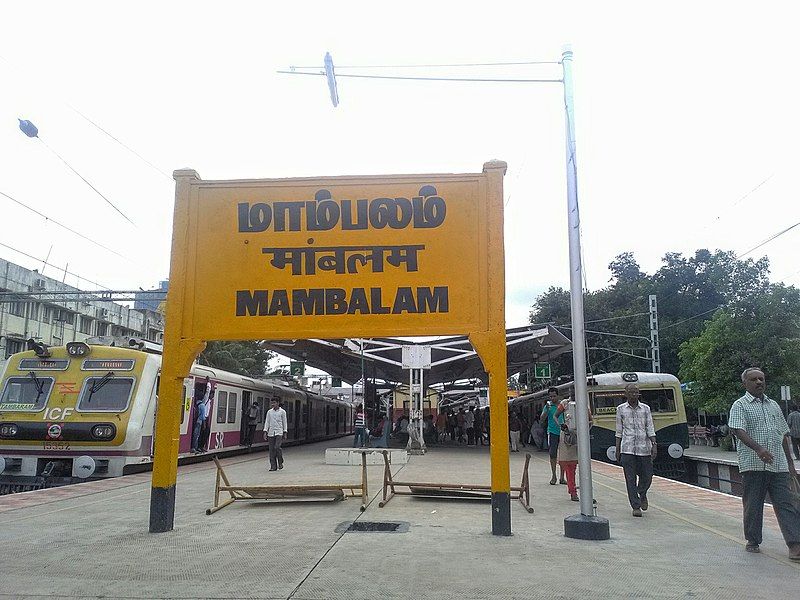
51 220
120 142
86 181
769 239
52 265
456 79
705 312
485 64
619 317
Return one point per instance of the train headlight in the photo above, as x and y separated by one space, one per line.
83 467
8 430
104 431
77 349
675 450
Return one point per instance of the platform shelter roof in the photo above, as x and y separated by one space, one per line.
452 358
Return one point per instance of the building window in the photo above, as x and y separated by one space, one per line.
85 325
46 312
14 346
17 309
64 316
102 328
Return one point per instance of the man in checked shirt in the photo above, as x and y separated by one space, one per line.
765 462
636 447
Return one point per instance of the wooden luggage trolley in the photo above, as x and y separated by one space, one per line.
452 490
288 493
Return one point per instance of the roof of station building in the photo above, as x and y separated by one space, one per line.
452 358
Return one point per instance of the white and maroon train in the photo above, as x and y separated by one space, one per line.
81 411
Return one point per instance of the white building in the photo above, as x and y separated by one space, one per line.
55 313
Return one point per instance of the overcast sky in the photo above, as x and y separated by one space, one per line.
680 114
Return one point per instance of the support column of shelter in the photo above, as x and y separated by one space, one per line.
178 355
491 347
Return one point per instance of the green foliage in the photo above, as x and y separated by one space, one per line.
761 330
244 358
689 291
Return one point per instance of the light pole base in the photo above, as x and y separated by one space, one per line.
581 527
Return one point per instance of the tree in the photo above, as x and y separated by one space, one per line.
244 358
762 330
689 290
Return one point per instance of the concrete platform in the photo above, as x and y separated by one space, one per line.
352 457
91 540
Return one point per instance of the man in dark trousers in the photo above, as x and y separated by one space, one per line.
765 462
636 447
275 428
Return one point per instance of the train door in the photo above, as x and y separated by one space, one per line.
244 426
337 419
199 393
297 410
327 420
308 414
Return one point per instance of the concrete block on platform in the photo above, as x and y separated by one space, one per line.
352 456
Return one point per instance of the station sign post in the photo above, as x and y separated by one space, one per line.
401 255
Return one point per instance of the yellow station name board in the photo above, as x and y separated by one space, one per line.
378 256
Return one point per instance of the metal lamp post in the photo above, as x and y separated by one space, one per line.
585 525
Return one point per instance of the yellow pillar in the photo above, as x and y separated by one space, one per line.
175 365
491 347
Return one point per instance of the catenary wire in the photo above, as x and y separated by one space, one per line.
769 239
120 142
485 64
52 265
86 181
51 220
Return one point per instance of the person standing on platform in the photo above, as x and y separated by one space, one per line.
794 430
478 425
636 447
765 462
359 425
460 424
568 446
553 429
469 425
441 425
513 430
275 428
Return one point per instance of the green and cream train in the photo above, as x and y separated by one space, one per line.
660 391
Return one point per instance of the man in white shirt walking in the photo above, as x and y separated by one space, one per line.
636 447
275 429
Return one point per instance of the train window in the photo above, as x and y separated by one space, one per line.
607 401
659 401
290 416
232 408
105 394
26 393
222 406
